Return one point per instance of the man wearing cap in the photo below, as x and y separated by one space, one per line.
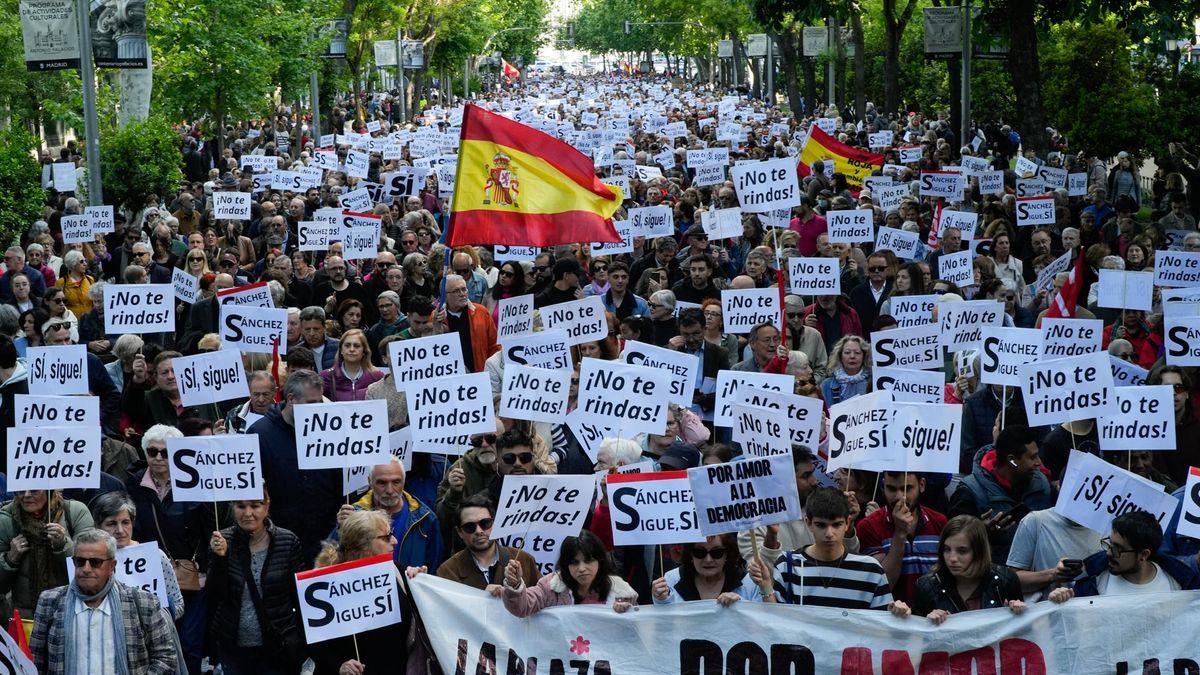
229 264
699 286
565 287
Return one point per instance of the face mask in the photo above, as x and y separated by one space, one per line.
823 204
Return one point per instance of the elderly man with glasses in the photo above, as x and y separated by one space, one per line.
14 262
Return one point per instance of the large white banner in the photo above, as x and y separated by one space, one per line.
750 637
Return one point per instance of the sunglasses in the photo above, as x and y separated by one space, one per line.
387 536
513 458
795 315
156 452
600 268
81 562
714 553
194 259
479 441
540 268
408 242
228 263
59 326
384 265
653 305
469 528
506 273
1178 388
877 268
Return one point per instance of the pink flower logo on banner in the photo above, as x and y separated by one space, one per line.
580 646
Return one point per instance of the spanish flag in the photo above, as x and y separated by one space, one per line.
517 186
852 163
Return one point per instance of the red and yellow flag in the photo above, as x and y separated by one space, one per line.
509 69
517 186
852 163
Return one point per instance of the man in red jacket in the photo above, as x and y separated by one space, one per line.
1132 326
833 317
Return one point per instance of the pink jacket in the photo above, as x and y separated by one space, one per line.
550 591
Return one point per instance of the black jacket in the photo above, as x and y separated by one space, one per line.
867 306
937 590
182 529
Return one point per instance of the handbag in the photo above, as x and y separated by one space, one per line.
187 571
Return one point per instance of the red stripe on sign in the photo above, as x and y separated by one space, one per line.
640 477
1025 199
1195 470
481 226
342 567
361 215
240 289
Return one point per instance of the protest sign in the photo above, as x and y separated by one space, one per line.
928 436
333 435
590 435
139 566
252 295
814 276
425 358
910 154
763 186
583 320
962 323
215 468
77 229
681 366
712 174
1176 269
318 235
231 205
1126 374
1033 211
956 268
535 394
944 184
889 196
652 508
743 309
915 347
880 139
804 414
58 369
708 157
1077 184
356 478
519 253
139 308
910 386
730 381
460 404
1004 349
1182 340
348 598
544 349
1052 177
101 218
651 221
1045 278
745 494
1025 167
516 317
913 310
210 377
361 242
906 245
1144 419
1029 187
858 432
761 431
991 183
851 227
973 166
253 329
964 221
1120 289
1095 492
1061 390
1070 337
536 508
356 200
1189 517
53 458
722 223
30 410
185 285
625 232
624 397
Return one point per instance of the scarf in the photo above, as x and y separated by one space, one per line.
46 569
844 379
75 596
598 289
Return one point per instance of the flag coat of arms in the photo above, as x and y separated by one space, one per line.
518 186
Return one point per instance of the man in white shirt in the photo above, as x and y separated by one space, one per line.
1128 562
1044 543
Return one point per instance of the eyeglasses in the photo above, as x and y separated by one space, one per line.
385 305
195 259
1114 550
387 536
600 268
538 269
506 273
228 263
469 528
513 457
795 315
384 265
81 562
59 326
140 254
712 313
653 305
156 452
479 441
876 268
1178 387
714 553
408 242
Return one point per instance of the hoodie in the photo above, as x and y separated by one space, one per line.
985 490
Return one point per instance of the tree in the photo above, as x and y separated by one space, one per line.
22 199
894 23
139 160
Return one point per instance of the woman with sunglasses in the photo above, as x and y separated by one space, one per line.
56 306
364 534
510 283
195 263
598 270
713 570
584 575
75 282
36 528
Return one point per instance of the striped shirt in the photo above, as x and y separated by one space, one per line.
853 582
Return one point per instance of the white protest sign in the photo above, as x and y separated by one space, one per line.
53 458
518 253
1025 167
652 508
944 184
318 235
334 435
906 245
910 154
1004 350
356 200
708 157
910 386
1030 187
425 358
1189 517
544 349
534 508
59 369
1176 269
851 227
929 436
139 566
973 166
1052 177
1095 492
880 139
761 431
589 435
763 186
730 381
1125 290
962 322
253 329
220 468
101 218
349 598
1070 337
858 432
583 320
535 394
252 295
991 183
185 285
624 397
64 176
814 276
956 268
77 229
1145 419
32 410
211 377
231 205
888 196
461 404
1032 211
357 164
744 309
914 347
139 308
965 222
804 414
712 174
1076 184
1061 390
625 232
651 221
1182 340
516 317
745 494
722 223
913 310
1126 374
361 243
681 366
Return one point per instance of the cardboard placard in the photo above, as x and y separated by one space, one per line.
928 437
535 394
1095 492
743 309
651 221
858 432
962 323
544 349
458 405
251 295
915 347
32 410
851 227
1005 350
652 508
624 397
906 245
58 369
53 458
350 598
814 276
216 468
730 381
1070 337
745 494
1034 211
77 229
253 329
763 186
760 431
534 508
1145 419
334 435
913 310
425 358
1176 269
1189 517
1120 289
681 366
910 386
211 377
956 268
1061 390
139 308
583 320
1182 340
185 285
943 184
516 317
231 205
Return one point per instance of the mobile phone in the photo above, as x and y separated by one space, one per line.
1017 512
1073 563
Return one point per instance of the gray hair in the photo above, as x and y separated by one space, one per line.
1118 345
110 504
34 248
390 296
312 313
159 433
300 381
96 536
1072 230
10 320
16 251
72 258
664 297
127 347
278 292
1116 260
620 450
1190 236
96 291
256 375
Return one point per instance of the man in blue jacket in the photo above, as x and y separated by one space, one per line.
415 526
1129 562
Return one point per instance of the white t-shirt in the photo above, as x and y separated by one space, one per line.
1111 584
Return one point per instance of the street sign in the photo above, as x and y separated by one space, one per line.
385 53
756 45
725 49
413 56
816 40
943 30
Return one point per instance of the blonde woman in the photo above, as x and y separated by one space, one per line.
849 370
352 371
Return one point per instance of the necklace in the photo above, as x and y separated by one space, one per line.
255 541
826 580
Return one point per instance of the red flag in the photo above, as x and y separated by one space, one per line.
509 69
1063 305
935 232
16 629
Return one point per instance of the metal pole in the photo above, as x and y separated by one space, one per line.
831 64
466 78
966 75
400 76
770 68
316 103
87 73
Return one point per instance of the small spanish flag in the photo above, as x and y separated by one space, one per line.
852 163
517 186
509 69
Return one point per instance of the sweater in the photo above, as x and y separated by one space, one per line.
552 591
